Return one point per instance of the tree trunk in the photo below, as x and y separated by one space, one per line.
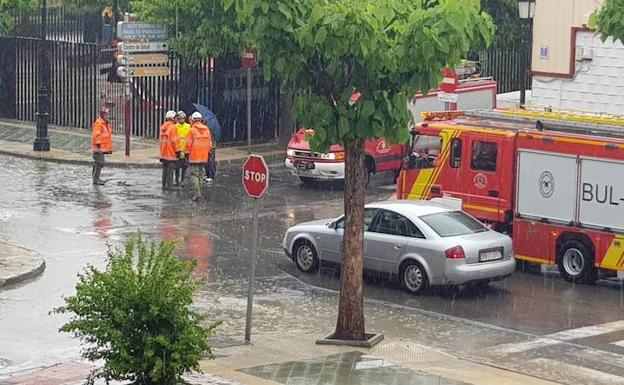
287 123
350 325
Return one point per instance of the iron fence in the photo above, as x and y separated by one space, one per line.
504 65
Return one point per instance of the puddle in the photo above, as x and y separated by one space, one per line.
351 368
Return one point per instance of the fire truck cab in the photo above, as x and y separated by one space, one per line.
555 182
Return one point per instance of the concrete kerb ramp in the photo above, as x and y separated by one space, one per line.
18 265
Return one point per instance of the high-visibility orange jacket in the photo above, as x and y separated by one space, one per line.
102 136
198 144
168 140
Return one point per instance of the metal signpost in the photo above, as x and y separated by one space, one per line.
450 81
144 54
255 182
249 60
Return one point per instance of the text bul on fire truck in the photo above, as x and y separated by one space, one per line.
555 181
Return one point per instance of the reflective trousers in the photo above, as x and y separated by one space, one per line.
196 180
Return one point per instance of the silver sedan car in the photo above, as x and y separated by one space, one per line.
421 242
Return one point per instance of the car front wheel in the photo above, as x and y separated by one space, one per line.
413 277
305 257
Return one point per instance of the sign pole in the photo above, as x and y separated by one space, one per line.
249 110
252 272
127 116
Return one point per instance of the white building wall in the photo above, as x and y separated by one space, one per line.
598 84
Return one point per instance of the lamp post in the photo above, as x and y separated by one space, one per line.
42 143
526 11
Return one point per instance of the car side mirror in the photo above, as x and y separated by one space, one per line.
332 225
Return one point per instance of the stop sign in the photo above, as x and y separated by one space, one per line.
255 176
450 81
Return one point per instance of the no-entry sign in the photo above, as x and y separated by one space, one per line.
255 176
450 81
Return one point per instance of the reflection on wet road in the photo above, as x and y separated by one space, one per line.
53 210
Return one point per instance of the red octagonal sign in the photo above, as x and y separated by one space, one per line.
255 176
450 81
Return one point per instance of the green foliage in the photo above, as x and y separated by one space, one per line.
200 28
509 27
135 315
385 49
96 5
609 21
6 6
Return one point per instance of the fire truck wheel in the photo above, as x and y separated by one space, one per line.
413 277
576 262
305 257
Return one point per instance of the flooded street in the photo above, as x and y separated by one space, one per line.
532 322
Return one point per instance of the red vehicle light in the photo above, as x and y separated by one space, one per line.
456 252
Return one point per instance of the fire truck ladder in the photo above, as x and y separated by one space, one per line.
590 124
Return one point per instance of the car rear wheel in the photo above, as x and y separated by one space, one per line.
576 262
305 257
413 277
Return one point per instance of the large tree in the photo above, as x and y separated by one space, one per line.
385 50
609 21
200 29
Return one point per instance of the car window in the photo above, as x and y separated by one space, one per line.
369 216
484 156
453 223
389 222
424 152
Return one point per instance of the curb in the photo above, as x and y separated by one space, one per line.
23 276
237 162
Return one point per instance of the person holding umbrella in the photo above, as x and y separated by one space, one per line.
215 129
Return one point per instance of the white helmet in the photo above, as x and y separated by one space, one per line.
170 115
196 116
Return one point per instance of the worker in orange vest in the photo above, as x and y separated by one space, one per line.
168 149
101 143
198 147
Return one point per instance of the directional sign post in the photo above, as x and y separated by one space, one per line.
255 182
137 38
157 46
139 59
133 30
141 72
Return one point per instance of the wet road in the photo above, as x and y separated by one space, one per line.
53 210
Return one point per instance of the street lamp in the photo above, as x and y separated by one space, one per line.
526 11
42 143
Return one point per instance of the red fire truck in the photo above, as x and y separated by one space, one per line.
380 157
554 181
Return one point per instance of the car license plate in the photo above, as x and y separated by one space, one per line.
490 255
304 166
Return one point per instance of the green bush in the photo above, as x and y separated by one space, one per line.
136 315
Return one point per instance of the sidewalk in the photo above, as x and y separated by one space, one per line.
17 264
296 359
69 145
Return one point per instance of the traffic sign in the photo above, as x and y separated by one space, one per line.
448 97
249 59
450 81
138 59
156 46
255 176
141 72
132 30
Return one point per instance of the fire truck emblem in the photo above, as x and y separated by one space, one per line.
480 181
546 184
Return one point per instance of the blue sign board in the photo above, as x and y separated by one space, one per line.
132 30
